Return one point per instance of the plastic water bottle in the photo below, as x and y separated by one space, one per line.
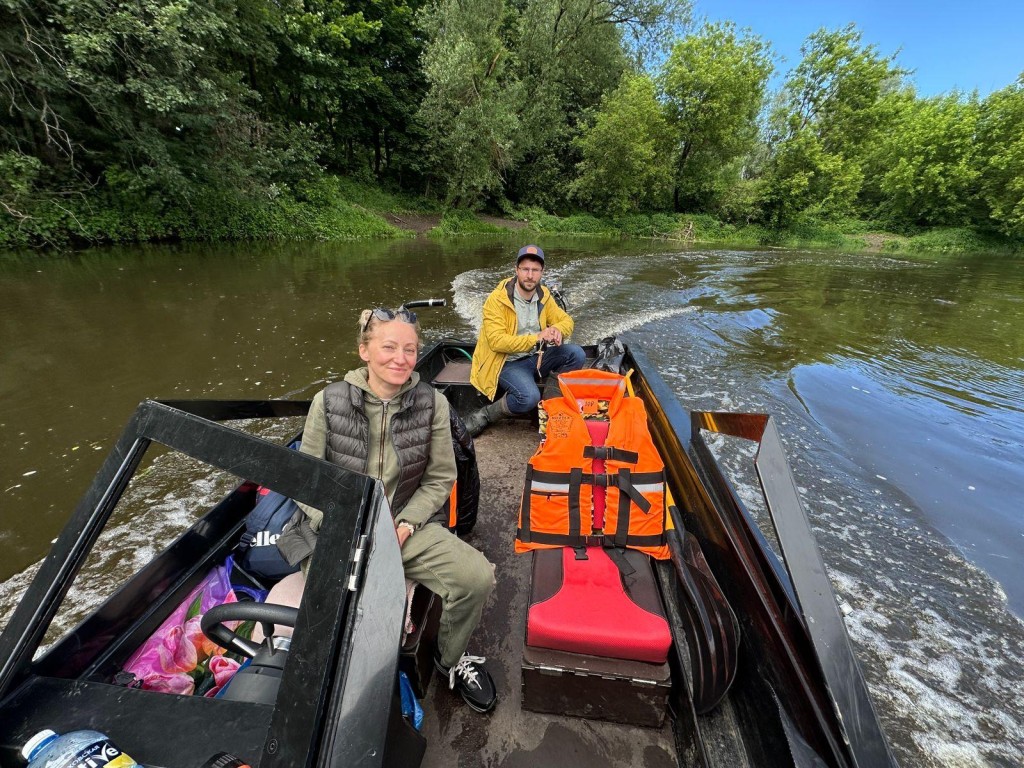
77 749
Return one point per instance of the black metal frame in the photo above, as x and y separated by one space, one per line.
339 679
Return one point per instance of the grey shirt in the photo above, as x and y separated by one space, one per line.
527 318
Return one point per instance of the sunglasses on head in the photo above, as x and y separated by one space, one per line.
385 315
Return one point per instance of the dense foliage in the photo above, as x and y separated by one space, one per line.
179 119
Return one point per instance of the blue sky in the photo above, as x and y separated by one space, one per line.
964 45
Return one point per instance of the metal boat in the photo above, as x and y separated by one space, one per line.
761 671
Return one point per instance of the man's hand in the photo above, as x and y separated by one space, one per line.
550 335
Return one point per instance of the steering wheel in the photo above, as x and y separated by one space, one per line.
267 614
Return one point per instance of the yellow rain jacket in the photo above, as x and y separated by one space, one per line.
498 338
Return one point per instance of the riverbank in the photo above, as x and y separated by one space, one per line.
335 208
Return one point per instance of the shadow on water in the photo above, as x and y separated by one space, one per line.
898 385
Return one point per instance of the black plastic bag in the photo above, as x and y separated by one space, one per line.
610 355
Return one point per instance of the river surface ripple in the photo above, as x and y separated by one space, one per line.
898 385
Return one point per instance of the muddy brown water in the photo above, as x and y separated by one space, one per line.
898 384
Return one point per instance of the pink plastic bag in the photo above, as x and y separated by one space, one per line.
178 657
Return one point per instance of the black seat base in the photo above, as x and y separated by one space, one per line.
597 688
417 656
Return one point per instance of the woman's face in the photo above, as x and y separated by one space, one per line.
390 355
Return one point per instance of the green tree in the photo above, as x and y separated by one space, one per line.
923 170
568 54
511 82
626 152
714 85
164 109
38 148
830 111
348 69
470 112
1001 151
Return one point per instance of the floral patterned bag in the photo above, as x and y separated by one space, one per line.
178 657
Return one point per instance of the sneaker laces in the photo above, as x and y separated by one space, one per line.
466 670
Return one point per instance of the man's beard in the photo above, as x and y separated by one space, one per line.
523 289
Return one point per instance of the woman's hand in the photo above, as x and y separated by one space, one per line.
404 531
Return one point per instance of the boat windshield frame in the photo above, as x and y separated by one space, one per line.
340 585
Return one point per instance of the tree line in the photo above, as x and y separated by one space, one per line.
608 106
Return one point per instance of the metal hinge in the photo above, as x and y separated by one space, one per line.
357 564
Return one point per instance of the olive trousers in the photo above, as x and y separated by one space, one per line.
457 573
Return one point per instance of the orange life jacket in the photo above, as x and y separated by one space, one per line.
558 507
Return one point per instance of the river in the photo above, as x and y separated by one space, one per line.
898 383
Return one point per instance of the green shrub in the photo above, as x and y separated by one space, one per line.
538 219
586 224
960 240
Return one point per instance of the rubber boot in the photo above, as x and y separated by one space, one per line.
482 418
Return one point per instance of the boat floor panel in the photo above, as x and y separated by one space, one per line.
510 737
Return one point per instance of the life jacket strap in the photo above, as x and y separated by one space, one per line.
651 540
596 540
618 558
558 539
622 525
575 515
610 453
552 482
524 534
627 482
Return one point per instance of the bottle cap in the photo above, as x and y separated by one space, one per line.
36 742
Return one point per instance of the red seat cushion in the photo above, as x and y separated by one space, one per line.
587 606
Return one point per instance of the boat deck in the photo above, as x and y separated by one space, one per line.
510 736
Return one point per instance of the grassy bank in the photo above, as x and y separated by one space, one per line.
847 235
336 208
331 208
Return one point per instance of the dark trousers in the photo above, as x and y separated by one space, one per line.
519 378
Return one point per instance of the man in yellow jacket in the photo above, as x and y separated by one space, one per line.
524 336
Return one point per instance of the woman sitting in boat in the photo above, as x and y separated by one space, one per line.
382 421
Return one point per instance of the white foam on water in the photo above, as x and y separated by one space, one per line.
615 326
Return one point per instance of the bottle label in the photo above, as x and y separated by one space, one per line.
102 754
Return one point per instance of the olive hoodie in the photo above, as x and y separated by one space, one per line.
438 476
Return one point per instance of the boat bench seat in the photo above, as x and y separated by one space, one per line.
597 637
583 601
591 607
